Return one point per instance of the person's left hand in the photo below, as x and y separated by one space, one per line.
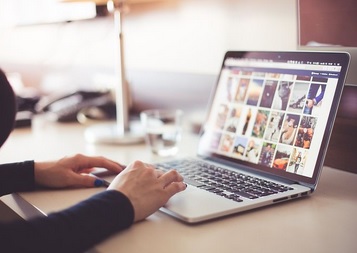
72 171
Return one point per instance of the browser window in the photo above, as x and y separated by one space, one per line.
272 113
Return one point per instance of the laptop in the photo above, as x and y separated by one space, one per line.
265 135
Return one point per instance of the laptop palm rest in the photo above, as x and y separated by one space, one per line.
195 205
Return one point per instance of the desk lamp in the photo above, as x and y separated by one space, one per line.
123 131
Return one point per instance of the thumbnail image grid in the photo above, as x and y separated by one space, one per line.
268 118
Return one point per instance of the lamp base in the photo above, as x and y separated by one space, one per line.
107 133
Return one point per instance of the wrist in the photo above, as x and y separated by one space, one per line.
39 176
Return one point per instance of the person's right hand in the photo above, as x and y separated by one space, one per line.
147 188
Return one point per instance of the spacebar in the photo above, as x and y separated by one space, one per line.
245 194
192 182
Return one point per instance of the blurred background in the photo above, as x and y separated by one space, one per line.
173 49
179 36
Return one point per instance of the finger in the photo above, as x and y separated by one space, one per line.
174 188
108 164
98 161
170 177
86 181
85 171
149 166
159 173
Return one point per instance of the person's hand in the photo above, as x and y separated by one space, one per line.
72 171
147 188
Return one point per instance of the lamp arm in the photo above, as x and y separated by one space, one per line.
122 87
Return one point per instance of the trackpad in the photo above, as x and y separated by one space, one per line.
194 204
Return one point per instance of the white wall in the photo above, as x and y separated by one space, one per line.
175 35
194 35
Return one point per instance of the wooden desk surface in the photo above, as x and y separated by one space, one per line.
324 222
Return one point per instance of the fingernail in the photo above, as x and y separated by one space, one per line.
98 182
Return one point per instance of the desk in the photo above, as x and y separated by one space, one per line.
324 222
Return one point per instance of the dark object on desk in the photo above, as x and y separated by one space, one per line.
23 119
26 103
25 110
65 108
342 148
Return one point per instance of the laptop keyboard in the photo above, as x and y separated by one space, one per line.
232 185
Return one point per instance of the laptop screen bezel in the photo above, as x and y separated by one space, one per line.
342 58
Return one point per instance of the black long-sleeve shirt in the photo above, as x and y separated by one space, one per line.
75 229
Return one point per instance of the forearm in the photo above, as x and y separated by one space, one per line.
72 230
15 177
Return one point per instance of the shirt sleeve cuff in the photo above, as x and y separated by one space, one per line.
16 177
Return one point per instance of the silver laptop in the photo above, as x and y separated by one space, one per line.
265 135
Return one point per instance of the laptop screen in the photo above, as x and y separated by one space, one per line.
274 111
